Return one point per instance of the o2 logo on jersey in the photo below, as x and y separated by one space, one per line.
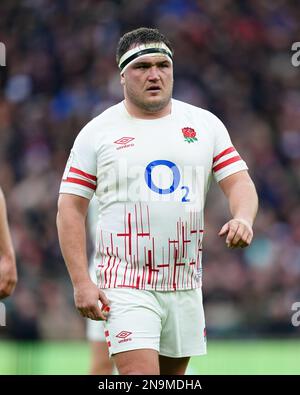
176 178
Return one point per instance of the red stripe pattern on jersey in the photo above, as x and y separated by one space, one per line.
225 158
77 176
145 266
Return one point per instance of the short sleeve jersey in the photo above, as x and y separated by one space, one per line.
151 178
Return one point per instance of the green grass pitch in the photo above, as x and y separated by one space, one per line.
224 357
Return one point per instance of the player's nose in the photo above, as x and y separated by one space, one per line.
153 74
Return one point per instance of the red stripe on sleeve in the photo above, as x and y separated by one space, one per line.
82 173
225 152
226 163
81 182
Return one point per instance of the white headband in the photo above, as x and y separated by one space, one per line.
151 49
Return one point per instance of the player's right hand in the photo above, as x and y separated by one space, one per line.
86 297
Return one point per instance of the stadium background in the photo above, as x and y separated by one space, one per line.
231 57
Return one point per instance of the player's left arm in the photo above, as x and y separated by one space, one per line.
8 269
243 203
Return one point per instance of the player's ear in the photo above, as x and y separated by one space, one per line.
122 79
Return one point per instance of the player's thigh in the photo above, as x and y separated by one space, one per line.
173 366
137 362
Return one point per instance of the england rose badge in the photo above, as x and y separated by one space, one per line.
189 135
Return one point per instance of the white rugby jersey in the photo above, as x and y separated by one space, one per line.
151 178
92 220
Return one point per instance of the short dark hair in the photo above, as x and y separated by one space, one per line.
142 35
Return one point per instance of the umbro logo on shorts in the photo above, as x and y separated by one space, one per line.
123 335
124 142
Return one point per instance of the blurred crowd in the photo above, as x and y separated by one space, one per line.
231 57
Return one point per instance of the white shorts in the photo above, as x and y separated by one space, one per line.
172 323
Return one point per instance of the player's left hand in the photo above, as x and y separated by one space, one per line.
239 233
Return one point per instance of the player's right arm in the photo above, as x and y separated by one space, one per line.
77 188
71 220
